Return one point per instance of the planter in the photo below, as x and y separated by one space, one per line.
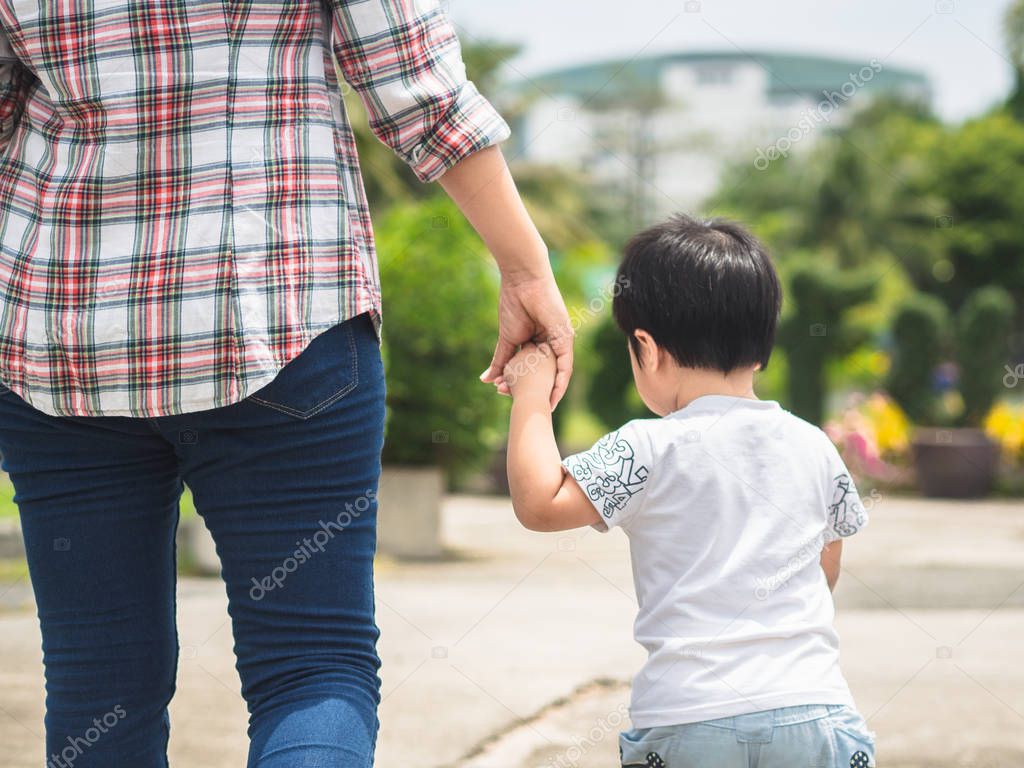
409 512
954 463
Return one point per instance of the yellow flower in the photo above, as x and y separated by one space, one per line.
1005 424
891 426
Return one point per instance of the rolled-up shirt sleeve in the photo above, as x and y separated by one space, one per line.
404 60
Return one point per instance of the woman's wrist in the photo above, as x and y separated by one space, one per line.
524 263
525 273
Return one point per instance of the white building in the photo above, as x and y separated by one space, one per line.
661 129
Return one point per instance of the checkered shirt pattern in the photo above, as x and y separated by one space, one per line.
181 206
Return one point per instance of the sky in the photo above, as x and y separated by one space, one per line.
958 44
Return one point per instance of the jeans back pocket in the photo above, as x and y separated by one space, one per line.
322 374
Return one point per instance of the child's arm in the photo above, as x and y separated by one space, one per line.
544 497
830 557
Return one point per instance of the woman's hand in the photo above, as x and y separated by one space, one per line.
530 307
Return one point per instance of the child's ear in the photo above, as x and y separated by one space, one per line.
648 352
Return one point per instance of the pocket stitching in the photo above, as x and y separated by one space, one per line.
657 740
865 739
328 401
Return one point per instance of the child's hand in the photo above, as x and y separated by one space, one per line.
531 371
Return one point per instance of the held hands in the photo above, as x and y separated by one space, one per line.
531 372
531 311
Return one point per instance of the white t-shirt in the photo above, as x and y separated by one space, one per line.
727 504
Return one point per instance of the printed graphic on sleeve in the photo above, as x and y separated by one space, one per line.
845 512
609 473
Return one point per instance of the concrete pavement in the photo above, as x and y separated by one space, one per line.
516 650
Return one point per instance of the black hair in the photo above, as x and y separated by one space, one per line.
706 292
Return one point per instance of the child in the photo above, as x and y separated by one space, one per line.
734 509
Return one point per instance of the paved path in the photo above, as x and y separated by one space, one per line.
516 651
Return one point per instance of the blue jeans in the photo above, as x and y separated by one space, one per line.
815 736
286 482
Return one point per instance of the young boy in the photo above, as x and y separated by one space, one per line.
735 511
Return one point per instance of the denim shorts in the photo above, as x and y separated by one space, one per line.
809 736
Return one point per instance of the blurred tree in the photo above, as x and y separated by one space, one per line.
978 174
817 329
874 201
861 195
773 201
896 189
611 396
627 134
983 329
843 204
559 204
919 332
576 268
438 338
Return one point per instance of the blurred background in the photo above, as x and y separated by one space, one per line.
878 149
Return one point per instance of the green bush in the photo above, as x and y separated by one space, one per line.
440 293
922 335
982 235
983 330
919 330
611 395
817 329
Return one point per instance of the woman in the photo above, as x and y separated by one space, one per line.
189 293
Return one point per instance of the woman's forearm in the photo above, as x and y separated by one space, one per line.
482 187
530 307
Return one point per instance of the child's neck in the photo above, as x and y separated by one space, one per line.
697 382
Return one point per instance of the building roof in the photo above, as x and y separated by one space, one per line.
789 73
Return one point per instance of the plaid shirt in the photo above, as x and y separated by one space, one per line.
181 208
